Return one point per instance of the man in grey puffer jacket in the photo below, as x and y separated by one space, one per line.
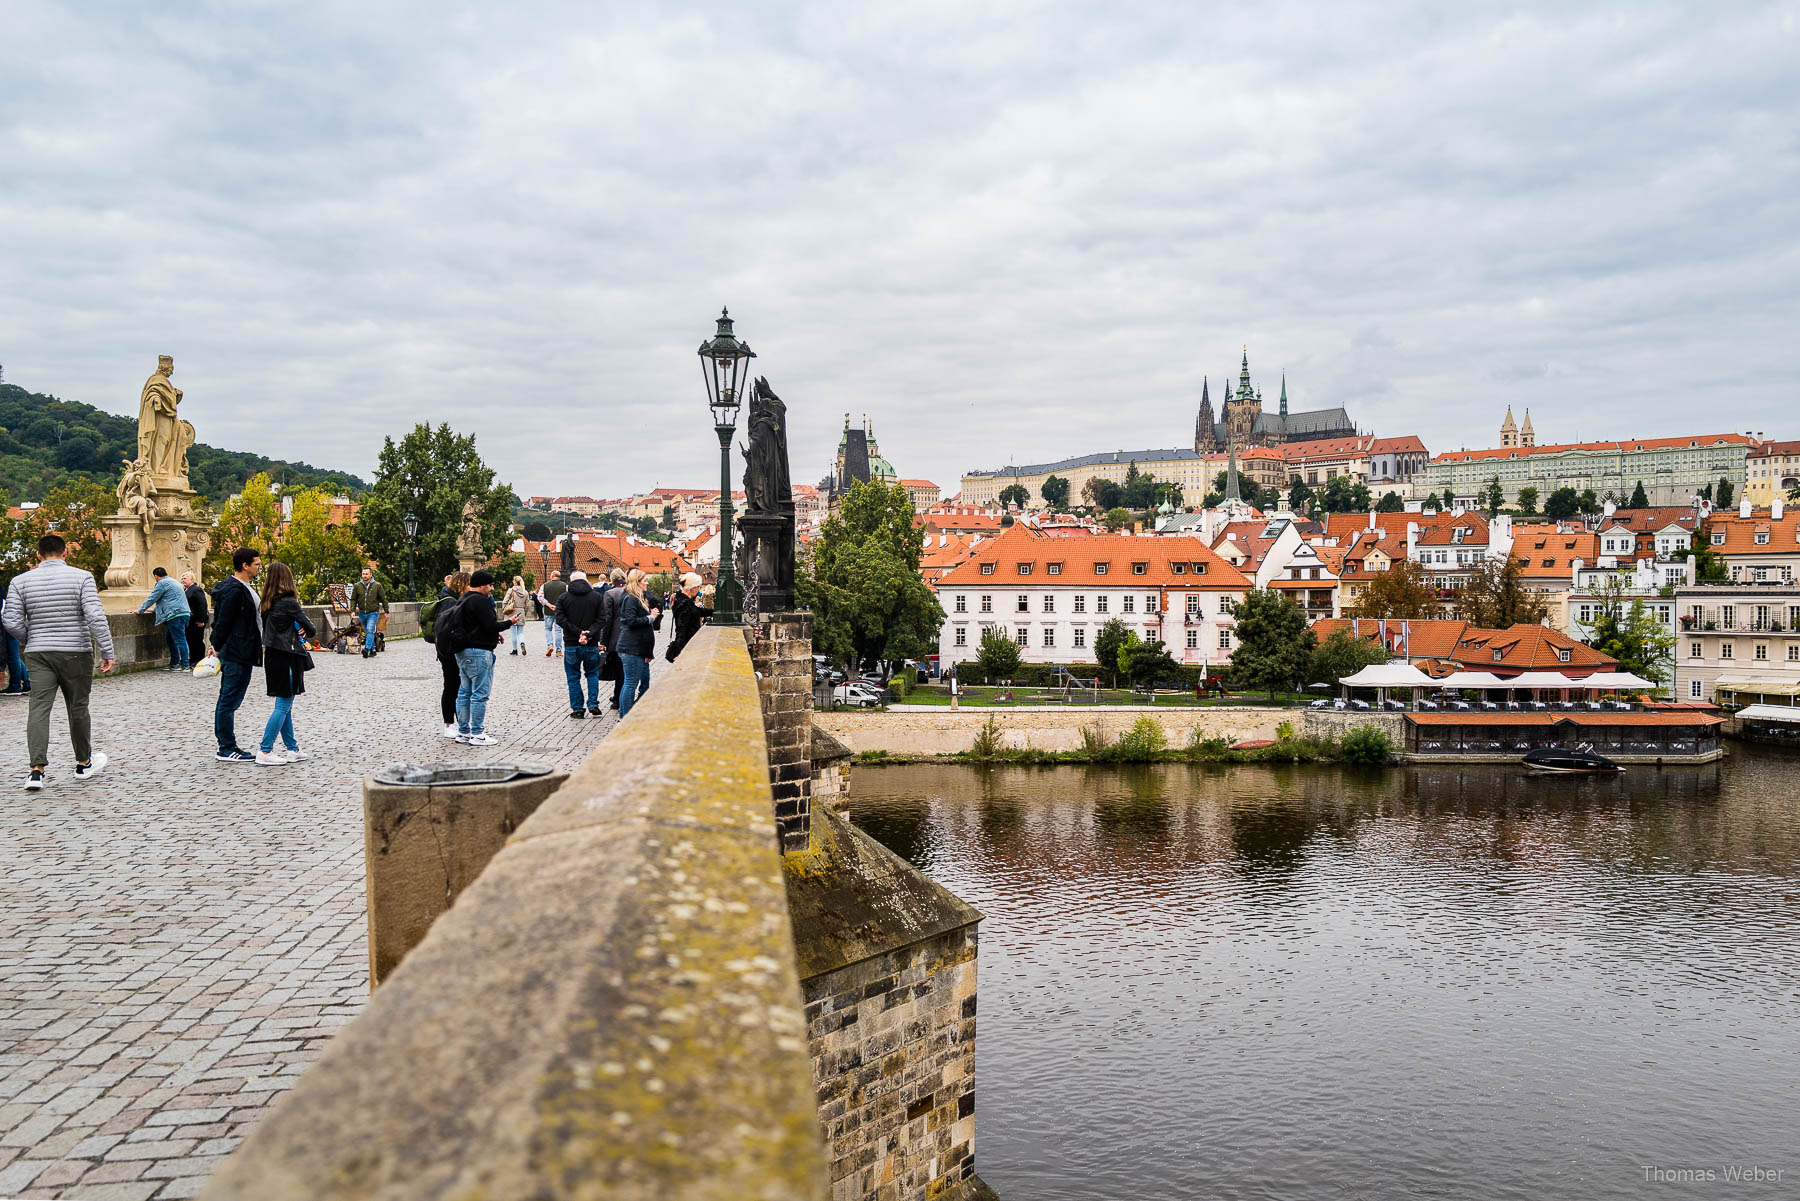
54 611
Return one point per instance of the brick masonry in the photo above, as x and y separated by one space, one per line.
781 652
937 731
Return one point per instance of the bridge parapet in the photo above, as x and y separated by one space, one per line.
612 1008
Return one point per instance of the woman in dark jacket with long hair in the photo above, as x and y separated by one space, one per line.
455 584
286 660
636 639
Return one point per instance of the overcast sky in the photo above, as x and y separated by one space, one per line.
1007 232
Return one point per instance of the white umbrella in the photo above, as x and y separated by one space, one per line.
1470 679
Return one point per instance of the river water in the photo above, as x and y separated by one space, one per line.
1286 982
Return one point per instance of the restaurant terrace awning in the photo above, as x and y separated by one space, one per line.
1389 675
1762 687
1786 713
1614 679
1470 679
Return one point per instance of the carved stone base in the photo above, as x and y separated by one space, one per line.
176 543
768 552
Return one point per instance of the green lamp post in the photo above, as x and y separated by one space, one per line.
725 364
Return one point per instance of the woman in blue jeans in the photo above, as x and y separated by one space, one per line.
285 662
638 619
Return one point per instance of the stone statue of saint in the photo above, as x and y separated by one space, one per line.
137 494
767 488
469 543
159 429
187 444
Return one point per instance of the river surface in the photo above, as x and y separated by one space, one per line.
1295 982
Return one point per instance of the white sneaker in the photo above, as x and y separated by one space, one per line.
450 730
295 755
479 740
93 767
270 759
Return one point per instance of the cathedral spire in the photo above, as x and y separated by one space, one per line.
1232 491
1243 389
1205 437
1284 395
1509 433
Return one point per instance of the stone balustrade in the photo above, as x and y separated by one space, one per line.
611 1009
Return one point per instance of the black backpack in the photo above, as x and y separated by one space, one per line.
453 633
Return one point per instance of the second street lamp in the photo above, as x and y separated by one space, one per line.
411 525
725 363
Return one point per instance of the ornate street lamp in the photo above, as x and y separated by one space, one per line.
410 524
725 364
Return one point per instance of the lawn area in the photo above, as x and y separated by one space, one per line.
984 697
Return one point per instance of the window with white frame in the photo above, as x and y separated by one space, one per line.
1193 605
1049 603
1224 640
987 569
1694 689
1022 636
1793 652
1100 603
1024 603
1053 568
962 635
1724 650
1762 650
1696 651
1150 603
1099 569
1080 636
962 603
1562 656
1193 639
1081 602
1049 635
1129 604
987 604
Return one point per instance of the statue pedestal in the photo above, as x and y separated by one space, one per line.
768 558
175 541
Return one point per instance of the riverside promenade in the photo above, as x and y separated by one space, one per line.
180 937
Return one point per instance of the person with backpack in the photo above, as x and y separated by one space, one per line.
434 620
579 615
286 660
474 630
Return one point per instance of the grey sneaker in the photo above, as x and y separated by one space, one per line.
92 768
479 740
35 781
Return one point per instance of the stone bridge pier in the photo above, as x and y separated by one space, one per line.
683 975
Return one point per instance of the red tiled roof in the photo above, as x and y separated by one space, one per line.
1527 648
1553 555
1408 444
1442 532
1078 558
1327 448
1771 449
1427 638
1740 534
1521 452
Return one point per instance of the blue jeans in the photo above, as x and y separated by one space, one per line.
17 678
576 660
368 624
518 635
175 630
637 681
281 721
476 667
234 680
553 635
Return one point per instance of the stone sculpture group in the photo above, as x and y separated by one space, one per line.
156 525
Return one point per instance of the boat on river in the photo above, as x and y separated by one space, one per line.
1576 761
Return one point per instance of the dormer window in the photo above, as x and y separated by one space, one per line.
1178 568
1099 569
1199 569
1762 539
1139 568
1718 540
1563 655
1053 568
1025 568
1497 655
987 569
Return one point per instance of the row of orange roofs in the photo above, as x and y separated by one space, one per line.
1442 646
1022 552
1625 447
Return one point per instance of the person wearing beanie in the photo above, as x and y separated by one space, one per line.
478 630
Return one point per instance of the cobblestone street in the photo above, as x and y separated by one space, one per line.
180 936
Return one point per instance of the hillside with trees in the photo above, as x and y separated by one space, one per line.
47 443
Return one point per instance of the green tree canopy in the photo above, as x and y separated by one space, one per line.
431 472
1056 493
74 509
318 552
862 582
1147 662
1722 495
1493 496
998 653
1015 494
1590 503
1344 654
1639 500
1300 497
1562 505
1274 645
1107 643
1448 500
1391 503
1496 596
1626 630
1102 494
1400 591
1118 519
251 518
1528 499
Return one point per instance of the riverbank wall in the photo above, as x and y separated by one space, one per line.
923 731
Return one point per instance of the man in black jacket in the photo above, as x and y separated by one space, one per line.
478 629
609 627
196 631
579 613
237 640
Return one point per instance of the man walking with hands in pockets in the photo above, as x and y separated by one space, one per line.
54 611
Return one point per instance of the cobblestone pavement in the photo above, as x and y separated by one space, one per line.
179 936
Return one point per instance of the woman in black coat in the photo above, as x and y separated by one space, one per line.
690 614
455 585
286 660
635 642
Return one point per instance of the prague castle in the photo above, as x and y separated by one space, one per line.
1243 423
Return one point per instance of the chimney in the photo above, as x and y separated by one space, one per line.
1608 509
1744 509
1412 538
1371 518
1775 508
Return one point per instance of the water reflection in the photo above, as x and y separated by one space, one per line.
1446 981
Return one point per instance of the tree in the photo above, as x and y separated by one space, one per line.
537 531
1300 496
1562 505
1722 495
1148 662
1056 493
1629 633
1590 503
318 552
1102 494
1118 519
1638 499
997 653
1110 639
1391 503
1528 498
1344 654
251 518
74 510
862 579
1493 496
1449 500
1709 568
668 517
1015 494
1495 596
1274 645
432 472
1400 591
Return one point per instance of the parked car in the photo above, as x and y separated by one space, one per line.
857 694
